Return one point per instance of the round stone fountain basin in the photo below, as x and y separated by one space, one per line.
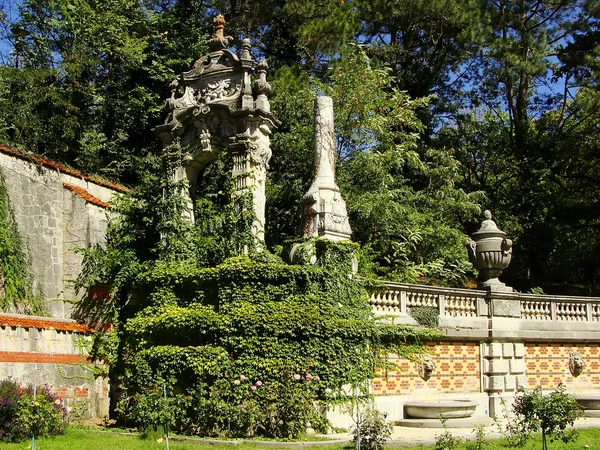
446 409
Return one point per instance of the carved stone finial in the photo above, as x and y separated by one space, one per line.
172 101
219 26
219 41
174 85
487 215
246 46
261 85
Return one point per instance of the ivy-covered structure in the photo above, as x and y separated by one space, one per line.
224 108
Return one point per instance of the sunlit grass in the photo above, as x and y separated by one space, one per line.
82 439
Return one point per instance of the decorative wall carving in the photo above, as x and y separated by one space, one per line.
576 364
219 112
426 367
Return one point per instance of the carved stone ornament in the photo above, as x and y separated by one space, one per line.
325 212
576 364
223 107
425 366
490 253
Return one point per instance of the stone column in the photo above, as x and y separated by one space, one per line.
503 373
325 214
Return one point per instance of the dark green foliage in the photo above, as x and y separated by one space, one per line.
86 80
553 414
425 315
15 285
292 166
22 415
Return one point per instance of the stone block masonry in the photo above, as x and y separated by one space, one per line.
457 369
494 344
53 352
57 210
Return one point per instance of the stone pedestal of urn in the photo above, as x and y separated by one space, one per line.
490 253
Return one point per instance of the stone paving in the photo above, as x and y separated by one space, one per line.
409 436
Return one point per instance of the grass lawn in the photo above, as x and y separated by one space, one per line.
80 439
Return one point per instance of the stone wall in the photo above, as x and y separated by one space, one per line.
57 210
53 352
457 369
548 365
494 343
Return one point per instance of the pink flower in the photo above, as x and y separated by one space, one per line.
243 378
317 378
309 376
259 383
236 382
297 377
253 388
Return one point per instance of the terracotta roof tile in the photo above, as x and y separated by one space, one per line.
86 195
54 165
43 323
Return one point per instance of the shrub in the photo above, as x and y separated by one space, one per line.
425 315
374 430
481 441
200 329
446 440
22 416
553 414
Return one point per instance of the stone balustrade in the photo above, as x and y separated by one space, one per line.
396 299
507 329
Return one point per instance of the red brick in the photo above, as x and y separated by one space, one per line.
61 392
43 358
81 392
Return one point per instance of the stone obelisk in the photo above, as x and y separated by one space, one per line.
325 214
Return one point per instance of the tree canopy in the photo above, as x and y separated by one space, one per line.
443 109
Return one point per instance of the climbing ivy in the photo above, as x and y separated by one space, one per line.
427 316
198 330
16 294
244 343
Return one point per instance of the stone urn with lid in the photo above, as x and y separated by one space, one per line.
490 253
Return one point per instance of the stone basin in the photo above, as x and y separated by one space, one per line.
446 409
590 403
